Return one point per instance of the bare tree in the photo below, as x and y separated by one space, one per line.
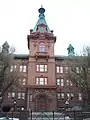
8 78
80 72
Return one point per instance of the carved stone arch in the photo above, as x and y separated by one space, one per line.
41 42
41 101
41 92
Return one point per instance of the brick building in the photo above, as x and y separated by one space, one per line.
42 74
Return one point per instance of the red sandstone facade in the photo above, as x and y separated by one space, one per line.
46 86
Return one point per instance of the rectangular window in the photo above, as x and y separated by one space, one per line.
41 68
45 68
45 81
21 68
37 68
9 95
62 96
15 66
68 95
37 81
80 96
58 95
19 80
41 81
24 68
77 69
24 81
72 96
60 82
42 47
19 95
69 83
66 69
23 96
59 69
11 69
13 95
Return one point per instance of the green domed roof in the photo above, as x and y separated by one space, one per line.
70 50
41 20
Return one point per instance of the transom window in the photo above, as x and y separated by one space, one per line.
42 47
59 69
41 68
41 81
60 82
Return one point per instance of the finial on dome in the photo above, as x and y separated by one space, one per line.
41 10
41 6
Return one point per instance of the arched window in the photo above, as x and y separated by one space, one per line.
42 47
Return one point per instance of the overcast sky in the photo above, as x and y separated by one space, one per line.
70 20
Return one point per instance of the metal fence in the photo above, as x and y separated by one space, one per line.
62 115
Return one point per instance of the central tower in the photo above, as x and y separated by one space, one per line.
41 67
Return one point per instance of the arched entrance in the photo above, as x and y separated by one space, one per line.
41 103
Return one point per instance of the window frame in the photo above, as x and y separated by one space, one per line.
11 95
41 81
60 95
59 82
41 68
59 69
79 96
20 95
42 47
24 68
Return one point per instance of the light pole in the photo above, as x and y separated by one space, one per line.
1 100
67 103
14 103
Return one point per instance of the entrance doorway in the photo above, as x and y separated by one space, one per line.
41 103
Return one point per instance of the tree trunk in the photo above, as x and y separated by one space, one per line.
86 101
